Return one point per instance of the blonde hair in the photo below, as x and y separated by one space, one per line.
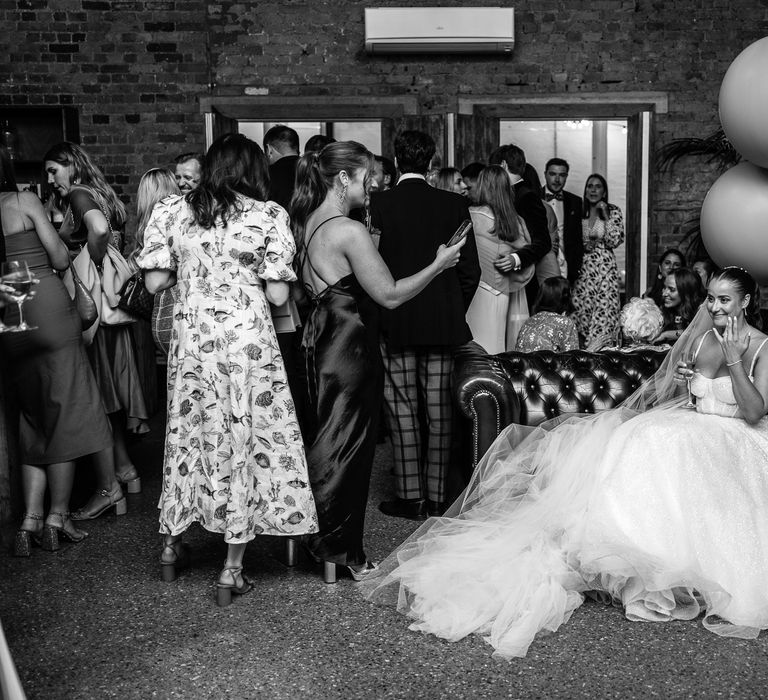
155 184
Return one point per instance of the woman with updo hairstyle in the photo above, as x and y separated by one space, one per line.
680 300
234 458
345 278
656 506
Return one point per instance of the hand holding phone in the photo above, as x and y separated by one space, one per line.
460 233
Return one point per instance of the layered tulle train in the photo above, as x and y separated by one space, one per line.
664 513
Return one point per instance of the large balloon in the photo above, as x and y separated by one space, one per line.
744 103
734 220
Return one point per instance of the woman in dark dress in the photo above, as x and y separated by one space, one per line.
61 416
94 218
344 275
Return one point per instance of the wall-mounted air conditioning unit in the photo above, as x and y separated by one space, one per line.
439 30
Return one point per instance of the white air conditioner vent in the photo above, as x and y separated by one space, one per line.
439 30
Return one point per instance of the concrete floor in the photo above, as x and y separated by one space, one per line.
94 621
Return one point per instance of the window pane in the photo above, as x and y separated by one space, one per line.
367 133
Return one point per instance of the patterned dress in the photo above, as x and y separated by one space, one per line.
234 457
547 330
596 291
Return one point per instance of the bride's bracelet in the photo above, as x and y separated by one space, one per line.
731 364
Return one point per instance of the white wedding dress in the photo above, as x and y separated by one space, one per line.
664 512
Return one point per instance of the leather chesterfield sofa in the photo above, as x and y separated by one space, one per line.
493 391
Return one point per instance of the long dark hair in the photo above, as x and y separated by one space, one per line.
691 292
585 211
234 165
85 172
7 174
315 173
744 284
495 191
554 295
658 281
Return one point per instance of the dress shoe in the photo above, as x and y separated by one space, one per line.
435 508
412 509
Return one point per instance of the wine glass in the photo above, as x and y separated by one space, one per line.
17 283
690 362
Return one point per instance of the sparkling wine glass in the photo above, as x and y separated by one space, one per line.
690 362
17 283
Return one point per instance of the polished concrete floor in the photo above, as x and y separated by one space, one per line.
94 620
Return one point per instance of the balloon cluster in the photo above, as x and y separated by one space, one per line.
734 215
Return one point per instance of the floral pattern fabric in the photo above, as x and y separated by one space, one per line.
234 457
596 290
548 331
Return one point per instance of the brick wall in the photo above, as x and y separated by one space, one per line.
135 69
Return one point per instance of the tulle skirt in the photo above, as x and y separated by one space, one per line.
664 513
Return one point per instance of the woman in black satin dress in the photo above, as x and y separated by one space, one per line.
345 278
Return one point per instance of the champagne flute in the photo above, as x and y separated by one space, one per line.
17 282
690 362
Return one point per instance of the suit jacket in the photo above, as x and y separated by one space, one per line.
529 205
282 180
415 219
573 238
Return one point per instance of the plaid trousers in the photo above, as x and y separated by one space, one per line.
417 383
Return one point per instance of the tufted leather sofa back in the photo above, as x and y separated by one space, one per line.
529 388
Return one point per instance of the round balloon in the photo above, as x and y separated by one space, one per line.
734 220
744 103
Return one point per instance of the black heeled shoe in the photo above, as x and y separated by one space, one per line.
22 543
52 534
225 591
173 558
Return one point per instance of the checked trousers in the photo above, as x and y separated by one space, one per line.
419 412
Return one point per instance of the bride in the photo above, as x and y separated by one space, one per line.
653 506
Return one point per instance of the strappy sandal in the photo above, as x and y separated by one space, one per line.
115 499
22 544
173 558
53 533
225 591
129 478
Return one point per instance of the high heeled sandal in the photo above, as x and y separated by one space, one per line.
329 571
115 499
173 558
53 533
130 479
22 543
225 591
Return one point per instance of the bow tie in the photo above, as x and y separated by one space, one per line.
549 196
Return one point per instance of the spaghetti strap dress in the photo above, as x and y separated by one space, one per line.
61 414
346 382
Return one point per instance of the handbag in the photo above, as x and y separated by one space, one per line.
134 297
84 270
115 272
84 303
162 319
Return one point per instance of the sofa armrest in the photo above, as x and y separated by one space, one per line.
485 395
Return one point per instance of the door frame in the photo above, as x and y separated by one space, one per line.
477 134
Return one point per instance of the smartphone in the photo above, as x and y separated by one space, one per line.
460 233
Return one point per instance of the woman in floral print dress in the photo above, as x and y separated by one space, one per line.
234 457
596 291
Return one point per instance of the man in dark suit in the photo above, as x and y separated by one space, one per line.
529 206
419 337
569 211
281 146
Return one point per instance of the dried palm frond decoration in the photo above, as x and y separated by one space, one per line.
716 148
